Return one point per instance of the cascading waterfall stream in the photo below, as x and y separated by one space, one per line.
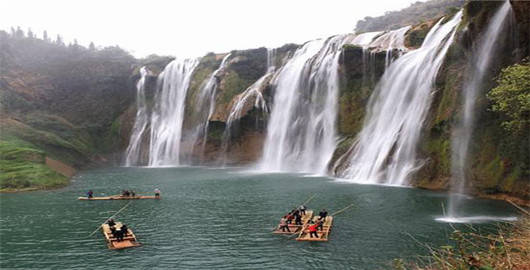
301 133
385 149
389 41
464 130
133 152
252 92
168 113
204 106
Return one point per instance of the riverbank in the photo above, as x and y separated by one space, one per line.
508 248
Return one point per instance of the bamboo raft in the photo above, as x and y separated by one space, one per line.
323 235
128 241
293 227
118 197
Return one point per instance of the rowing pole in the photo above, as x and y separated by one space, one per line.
111 217
308 200
342 210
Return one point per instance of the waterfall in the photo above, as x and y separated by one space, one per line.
385 149
133 152
301 133
168 113
204 107
389 41
463 131
252 95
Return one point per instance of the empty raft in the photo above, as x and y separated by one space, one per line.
323 235
129 239
295 228
118 197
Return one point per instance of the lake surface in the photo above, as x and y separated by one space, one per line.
222 219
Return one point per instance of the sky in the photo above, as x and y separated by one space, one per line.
190 28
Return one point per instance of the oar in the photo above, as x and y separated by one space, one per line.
342 210
111 217
308 200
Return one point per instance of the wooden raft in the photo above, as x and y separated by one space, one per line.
295 228
118 197
323 235
128 241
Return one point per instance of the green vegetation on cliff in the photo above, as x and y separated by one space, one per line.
58 102
416 13
512 97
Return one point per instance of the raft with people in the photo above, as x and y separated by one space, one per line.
288 223
317 229
118 235
119 197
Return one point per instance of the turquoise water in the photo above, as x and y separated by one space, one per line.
221 219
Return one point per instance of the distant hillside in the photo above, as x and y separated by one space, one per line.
416 13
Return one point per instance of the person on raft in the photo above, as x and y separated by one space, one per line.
302 209
298 219
289 218
133 194
322 215
125 193
124 230
313 229
111 222
283 225
90 194
157 192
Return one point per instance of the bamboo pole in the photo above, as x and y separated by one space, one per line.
111 217
342 210
308 200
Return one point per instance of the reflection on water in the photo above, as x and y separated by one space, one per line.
212 218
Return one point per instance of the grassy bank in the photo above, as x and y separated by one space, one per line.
506 248
23 167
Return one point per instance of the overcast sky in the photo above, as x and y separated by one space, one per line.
191 28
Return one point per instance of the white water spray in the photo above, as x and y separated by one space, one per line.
133 152
385 149
301 134
168 113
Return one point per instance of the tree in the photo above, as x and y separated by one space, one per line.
92 47
511 97
59 40
45 36
30 33
19 33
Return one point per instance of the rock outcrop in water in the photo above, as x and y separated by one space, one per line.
82 108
